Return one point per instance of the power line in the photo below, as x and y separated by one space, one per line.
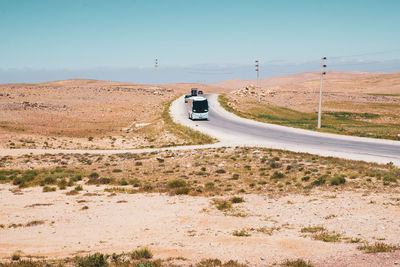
323 66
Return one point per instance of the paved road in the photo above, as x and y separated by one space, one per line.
232 130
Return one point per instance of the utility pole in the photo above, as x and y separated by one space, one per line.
155 70
258 79
323 66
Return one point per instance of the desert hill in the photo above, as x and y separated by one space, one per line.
288 79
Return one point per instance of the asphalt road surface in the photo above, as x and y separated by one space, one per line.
233 130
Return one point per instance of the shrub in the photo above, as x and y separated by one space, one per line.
242 232
209 185
222 204
274 165
78 188
94 175
237 200
123 182
62 184
49 189
143 253
90 138
337 180
18 181
16 257
312 229
176 183
235 176
135 182
34 223
326 237
297 263
182 191
147 187
209 263
116 170
320 181
305 178
378 247
277 175
95 260
105 180
50 180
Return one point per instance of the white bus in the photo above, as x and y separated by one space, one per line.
197 108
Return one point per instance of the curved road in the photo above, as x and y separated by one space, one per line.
233 130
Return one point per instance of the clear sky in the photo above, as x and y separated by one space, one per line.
194 40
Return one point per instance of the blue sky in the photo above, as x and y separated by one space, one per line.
194 40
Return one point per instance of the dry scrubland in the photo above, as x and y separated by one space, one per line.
360 104
232 206
211 207
90 114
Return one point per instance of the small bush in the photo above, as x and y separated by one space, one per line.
49 189
16 257
337 180
143 253
95 260
94 175
326 237
182 191
277 175
235 176
317 182
312 229
274 165
105 180
242 232
209 263
123 182
34 223
378 247
176 183
135 182
305 178
147 187
222 204
78 188
220 171
237 200
90 138
297 263
209 185
116 170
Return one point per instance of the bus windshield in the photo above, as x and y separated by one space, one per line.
200 106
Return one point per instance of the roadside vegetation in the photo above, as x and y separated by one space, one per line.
355 123
142 257
206 172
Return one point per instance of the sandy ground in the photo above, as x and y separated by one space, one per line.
193 228
344 92
294 78
87 114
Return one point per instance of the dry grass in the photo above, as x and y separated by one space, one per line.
245 170
378 247
88 114
361 106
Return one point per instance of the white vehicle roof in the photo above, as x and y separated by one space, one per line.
198 98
